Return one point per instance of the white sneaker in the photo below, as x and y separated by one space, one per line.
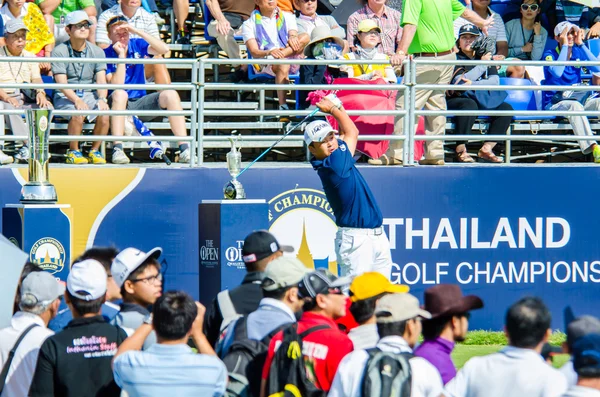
159 20
119 157
6 159
184 157
22 154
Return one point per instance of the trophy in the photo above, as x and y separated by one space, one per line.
38 190
234 189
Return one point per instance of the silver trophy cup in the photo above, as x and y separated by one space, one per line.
38 190
233 189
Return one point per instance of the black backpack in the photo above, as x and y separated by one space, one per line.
245 360
387 374
287 375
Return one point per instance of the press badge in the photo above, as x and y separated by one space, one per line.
62 20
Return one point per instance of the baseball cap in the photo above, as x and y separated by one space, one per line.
586 355
87 280
283 272
469 29
582 326
316 131
320 282
128 260
14 25
399 307
558 29
371 284
259 244
366 25
40 287
73 18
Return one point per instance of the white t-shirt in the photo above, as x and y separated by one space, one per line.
249 27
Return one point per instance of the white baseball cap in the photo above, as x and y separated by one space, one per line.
87 280
565 25
73 18
399 307
283 272
316 131
128 260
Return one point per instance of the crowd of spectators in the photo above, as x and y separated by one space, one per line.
286 327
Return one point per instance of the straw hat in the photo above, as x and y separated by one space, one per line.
321 33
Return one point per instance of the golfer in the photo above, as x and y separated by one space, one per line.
361 244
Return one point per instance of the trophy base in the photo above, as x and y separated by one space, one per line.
38 193
234 190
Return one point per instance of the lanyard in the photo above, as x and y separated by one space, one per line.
83 55
15 76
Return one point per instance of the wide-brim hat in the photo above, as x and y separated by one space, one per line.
447 300
321 33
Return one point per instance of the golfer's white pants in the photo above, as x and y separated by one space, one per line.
363 250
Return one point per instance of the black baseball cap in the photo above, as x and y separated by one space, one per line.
586 355
260 244
469 29
320 282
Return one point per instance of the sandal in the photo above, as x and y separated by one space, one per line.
489 157
464 157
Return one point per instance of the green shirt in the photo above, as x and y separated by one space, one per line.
434 20
67 6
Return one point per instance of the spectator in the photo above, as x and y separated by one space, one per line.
40 297
580 15
308 19
29 268
323 45
260 248
548 353
181 9
586 357
175 318
78 28
570 41
324 303
56 14
399 326
278 306
448 324
140 19
526 36
104 255
365 48
124 46
421 40
18 73
496 31
388 20
577 329
77 360
40 39
138 275
228 17
476 100
365 291
270 32
518 369
148 5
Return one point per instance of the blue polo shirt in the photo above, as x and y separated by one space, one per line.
347 191
134 74
170 370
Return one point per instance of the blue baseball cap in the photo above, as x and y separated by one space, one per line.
586 355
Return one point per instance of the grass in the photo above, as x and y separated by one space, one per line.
481 343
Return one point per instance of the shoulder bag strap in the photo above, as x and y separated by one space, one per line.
227 309
313 329
11 355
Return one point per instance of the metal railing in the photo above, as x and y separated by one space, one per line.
200 89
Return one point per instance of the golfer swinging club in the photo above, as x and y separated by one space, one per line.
361 244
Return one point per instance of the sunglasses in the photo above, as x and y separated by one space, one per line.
82 25
532 7
372 32
114 20
334 291
310 1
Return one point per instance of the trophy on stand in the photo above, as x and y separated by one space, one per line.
233 189
38 190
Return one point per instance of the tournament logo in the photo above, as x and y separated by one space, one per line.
304 219
49 254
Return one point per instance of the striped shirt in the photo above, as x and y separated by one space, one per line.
496 31
389 22
170 370
141 20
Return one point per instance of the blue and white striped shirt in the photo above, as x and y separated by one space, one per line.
174 370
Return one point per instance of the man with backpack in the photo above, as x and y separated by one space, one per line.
260 248
305 356
390 369
246 340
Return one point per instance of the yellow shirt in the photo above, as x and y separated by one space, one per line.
18 72
359 70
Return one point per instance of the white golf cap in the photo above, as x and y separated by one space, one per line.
73 18
87 280
399 307
128 260
283 272
316 131
565 25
